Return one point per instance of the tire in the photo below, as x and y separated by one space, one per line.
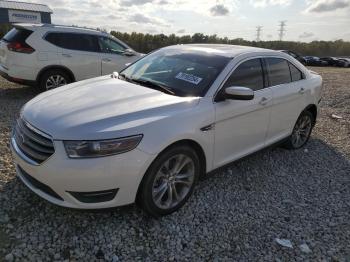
161 177
302 129
57 77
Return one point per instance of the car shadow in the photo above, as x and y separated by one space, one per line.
19 92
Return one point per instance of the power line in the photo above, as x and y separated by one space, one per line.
282 30
258 33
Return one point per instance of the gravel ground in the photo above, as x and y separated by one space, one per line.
237 213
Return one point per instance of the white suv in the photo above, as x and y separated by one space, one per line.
51 55
149 132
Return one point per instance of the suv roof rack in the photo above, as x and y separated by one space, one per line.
74 26
56 25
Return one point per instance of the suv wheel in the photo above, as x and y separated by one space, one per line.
301 131
53 78
170 181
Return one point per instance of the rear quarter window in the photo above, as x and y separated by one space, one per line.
17 35
295 73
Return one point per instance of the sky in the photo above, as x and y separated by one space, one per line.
306 20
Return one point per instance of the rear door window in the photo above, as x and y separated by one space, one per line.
73 41
248 74
278 70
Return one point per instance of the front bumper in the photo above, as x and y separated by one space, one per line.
73 179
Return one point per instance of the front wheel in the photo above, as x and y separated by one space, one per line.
301 131
170 181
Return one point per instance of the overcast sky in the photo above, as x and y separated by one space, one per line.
306 20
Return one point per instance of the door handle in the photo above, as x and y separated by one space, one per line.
301 90
66 55
264 101
106 60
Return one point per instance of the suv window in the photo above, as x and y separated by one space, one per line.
108 45
248 74
73 41
295 73
278 71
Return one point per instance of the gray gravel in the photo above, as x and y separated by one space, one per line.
237 213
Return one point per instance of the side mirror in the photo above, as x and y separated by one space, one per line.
238 93
129 52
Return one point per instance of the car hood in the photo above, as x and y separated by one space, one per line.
101 108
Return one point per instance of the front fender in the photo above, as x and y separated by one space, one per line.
183 127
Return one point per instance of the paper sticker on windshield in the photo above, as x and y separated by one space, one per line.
189 78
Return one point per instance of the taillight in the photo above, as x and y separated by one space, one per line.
20 47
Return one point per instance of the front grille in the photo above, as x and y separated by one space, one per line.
33 143
37 184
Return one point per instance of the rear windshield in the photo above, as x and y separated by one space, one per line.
17 35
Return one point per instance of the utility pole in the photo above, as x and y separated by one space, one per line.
282 30
258 33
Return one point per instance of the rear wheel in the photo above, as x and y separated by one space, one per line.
301 131
54 78
170 181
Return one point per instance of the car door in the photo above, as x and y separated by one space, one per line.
78 52
286 83
241 126
113 56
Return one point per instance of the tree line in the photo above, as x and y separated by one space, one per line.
147 42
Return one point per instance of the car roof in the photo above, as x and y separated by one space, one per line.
220 49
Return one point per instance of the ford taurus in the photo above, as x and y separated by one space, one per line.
147 134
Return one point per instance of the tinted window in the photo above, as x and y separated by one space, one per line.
248 74
81 42
278 71
108 45
295 73
187 72
17 35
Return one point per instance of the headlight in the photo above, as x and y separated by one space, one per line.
84 149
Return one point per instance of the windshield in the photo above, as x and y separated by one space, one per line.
183 72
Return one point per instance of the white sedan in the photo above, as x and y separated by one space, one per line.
148 133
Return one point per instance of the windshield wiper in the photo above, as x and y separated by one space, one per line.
152 84
147 83
128 79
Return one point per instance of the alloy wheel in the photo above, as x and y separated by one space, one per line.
301 131
55 81
173 181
